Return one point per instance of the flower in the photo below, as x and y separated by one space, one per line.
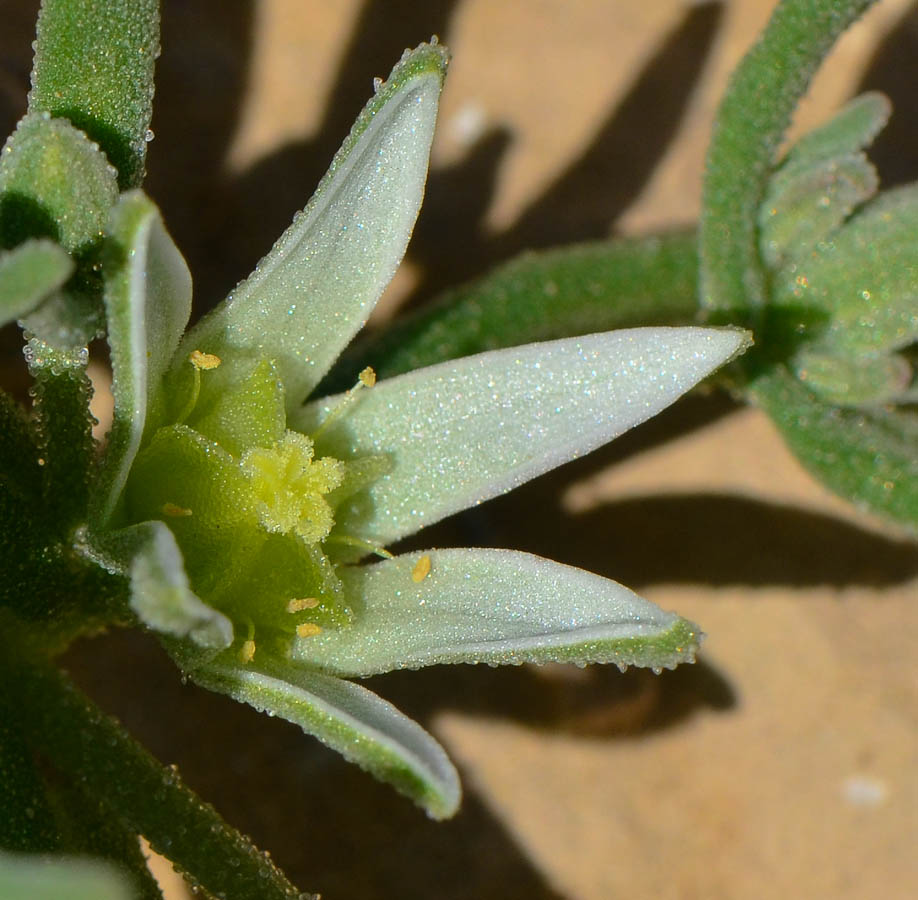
240 510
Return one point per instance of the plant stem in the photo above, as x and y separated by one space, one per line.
86 745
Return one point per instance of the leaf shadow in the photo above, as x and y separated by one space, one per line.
583 201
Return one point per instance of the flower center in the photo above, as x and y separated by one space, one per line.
288 486
251 507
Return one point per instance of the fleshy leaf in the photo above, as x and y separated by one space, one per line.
54 182
148 302
493 606
862 380
317 286
40 878
851 129
864 278
28 275
867 456
357 723
467 430
160 595
820 182
801 210
94 66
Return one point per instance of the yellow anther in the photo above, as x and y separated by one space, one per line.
247 651
175 511
421 569
298 605
201 360
308 629
367 377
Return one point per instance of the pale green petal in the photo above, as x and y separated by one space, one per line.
25 877
160 594
147 303
500 607
317 286
469 429
361 726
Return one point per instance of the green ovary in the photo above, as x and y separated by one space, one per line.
250 507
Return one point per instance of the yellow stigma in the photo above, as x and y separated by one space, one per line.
367 377
289 487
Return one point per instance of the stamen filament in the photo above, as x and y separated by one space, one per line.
360 544
366 379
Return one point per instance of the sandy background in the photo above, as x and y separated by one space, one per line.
784 764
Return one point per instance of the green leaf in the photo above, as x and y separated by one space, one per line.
851 129
361 726
865 279
867 456
466 430
492 606
540 296
28 275
319 283
40 878
862 380
750 124
94 66
54 182
802 211
147 302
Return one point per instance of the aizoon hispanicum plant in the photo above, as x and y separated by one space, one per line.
246 521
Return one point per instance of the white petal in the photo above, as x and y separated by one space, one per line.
493 606
317 286
147 304
466 430
361 726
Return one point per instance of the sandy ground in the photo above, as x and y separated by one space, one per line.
783 764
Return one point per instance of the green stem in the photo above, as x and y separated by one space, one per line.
84 744
94 66
750 125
